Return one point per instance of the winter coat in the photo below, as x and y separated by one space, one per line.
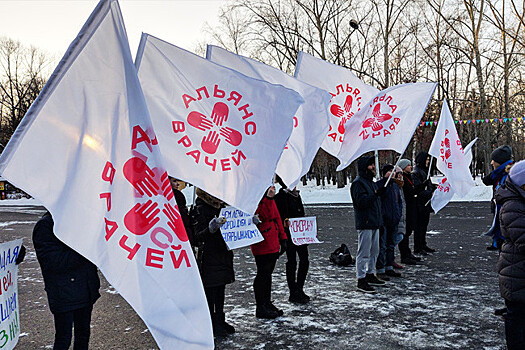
367 205
183 210
391 203
289 205
71 281
410 202
511 263
271 228
496 178
422 189
215 260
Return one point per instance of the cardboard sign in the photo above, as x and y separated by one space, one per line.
304 230
239 230
9 311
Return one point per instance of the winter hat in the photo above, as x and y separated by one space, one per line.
403 163
386 168
501 154
517 173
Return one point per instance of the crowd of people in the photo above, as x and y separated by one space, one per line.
387 212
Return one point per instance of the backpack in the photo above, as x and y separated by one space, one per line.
341 256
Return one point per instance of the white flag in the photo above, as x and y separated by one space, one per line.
446 148
349 94
444 192
311 121
87 150
218 129
387 122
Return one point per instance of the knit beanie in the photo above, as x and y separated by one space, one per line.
386 168
403 163
517 173
501 154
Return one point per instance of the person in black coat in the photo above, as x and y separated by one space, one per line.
214 258
183 209
511 264
423 190
368 219
71 283
290 206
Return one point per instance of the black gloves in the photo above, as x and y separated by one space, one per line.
380 191
21 255
283 245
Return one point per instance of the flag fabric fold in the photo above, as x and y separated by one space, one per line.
218 129
87 150
349 94
386 122
310 123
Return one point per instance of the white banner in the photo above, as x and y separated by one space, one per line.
304 230
387 122
349 94
239 230
311 121
9 307
87 150
218 129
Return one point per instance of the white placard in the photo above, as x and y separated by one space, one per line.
304 230
9 311
239 230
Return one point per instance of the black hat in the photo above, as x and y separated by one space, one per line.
386 168
501 154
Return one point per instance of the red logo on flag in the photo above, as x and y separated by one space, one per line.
382 122
344 104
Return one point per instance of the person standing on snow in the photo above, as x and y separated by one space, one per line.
423 189
368 219
511 264
501 161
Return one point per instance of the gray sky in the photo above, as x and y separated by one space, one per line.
52 24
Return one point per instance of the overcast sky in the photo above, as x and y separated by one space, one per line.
52 24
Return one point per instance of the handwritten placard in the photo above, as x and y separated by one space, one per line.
239 230
304 230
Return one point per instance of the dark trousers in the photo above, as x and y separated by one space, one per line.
404 245
515 325
420 231
262 285
215 298
385 259
80 319
296 281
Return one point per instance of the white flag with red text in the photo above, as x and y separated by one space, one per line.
310 123
349 94
444 192
386 122
87 150
217 128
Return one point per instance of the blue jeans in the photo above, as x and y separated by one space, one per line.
515 325
385 260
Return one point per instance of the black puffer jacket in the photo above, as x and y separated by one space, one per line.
216 261
71 281
290 206
391 202
367 205
511 263
422 188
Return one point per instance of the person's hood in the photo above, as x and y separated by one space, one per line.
209 199
421 159
362 164
509 191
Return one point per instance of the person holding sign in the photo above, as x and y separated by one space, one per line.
215 260
71 282
266 254
290 205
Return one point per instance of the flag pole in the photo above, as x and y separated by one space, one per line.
430 167
376 155
393 171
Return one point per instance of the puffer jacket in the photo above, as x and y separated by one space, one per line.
511 263
290 206
422 189
367 205
391 202
271 228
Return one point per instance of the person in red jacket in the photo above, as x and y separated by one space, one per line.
266 254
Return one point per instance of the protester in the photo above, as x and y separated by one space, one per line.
266 254
391 210
401 227
423 189
183 209
290 206
215 260
71 283
368 219
511 264
501 161
411 213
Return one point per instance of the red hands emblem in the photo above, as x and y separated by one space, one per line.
142 217
377 120
343 113
175 221
138 173
166 189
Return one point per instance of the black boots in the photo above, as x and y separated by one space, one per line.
220 327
